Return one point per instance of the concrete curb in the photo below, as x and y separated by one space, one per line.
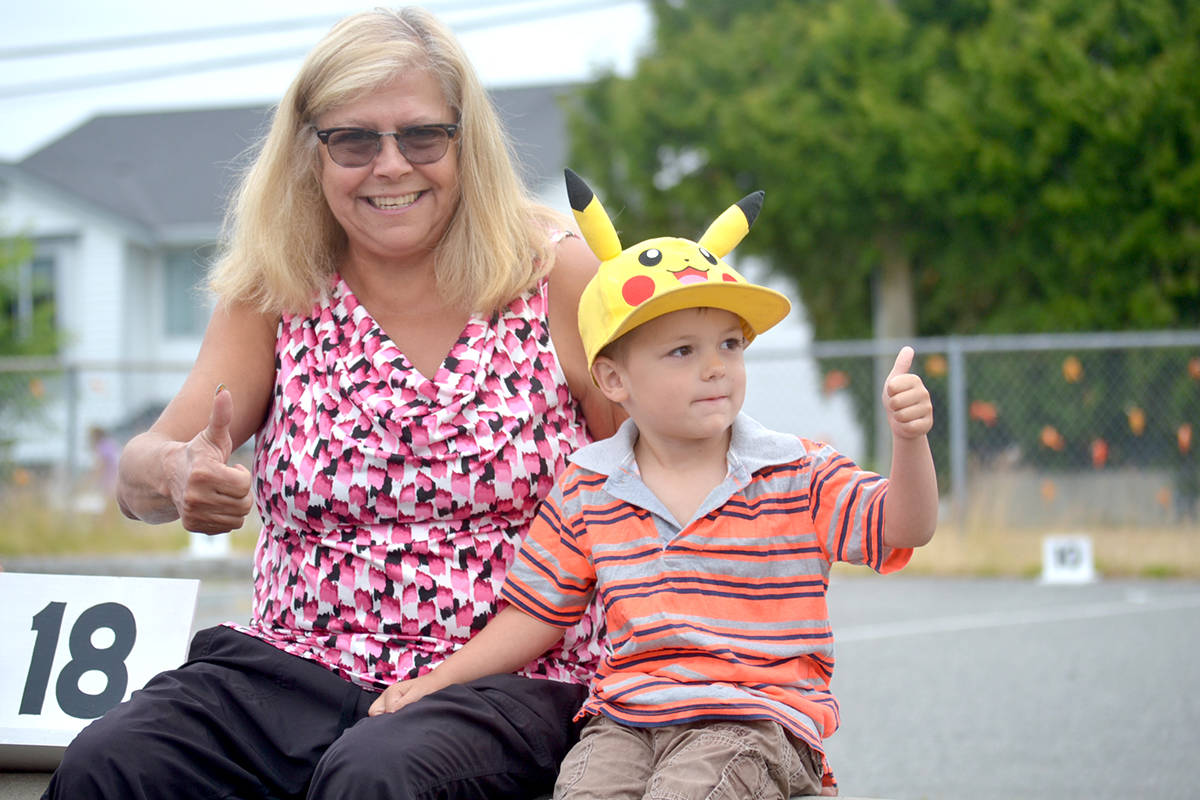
149 565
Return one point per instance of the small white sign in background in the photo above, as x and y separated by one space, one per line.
1068 559
75 646
206 545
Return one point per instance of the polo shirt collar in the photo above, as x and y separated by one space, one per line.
753 446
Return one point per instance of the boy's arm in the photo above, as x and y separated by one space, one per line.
911 505
508 642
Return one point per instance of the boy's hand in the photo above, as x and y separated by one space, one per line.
403 693
906 400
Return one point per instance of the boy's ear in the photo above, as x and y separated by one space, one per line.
609 379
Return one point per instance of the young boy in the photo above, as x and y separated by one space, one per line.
706 538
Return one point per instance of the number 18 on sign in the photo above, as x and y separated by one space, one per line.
77 646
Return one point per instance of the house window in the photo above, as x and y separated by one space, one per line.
34 295
186 304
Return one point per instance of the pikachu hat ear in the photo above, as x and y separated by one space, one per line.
594 224
732 226
665 274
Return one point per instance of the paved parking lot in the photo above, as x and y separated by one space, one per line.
1009 689
980 689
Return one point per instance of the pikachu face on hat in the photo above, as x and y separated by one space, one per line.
657 276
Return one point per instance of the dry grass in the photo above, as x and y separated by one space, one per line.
32 526
1170 552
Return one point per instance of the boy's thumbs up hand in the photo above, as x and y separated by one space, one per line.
210 495
906 400
903 363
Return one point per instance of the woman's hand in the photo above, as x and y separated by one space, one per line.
179 469
210 495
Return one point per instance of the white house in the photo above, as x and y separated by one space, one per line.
124 211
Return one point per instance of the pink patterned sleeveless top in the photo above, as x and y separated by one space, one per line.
393 504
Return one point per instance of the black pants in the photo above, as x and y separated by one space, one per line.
242 719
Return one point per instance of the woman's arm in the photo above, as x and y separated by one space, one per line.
508 642
178 469
574 266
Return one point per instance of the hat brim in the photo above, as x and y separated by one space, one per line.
759 307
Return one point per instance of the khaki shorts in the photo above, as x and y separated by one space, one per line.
709 760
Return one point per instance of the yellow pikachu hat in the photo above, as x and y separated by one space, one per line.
658 276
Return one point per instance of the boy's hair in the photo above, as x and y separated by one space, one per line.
658 276
282 243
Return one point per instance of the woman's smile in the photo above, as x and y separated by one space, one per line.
394 202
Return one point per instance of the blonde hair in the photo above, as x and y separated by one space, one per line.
281 243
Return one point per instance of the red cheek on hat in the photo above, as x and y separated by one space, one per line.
637 290
729 278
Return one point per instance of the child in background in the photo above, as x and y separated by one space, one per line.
707 538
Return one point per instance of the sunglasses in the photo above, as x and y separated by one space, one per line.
357 147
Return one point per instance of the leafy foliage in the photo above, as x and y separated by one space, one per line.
32 333
1036 162
36 335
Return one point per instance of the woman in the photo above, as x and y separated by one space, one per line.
397 328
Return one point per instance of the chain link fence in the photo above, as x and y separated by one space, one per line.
62 424
1045 432
1039 432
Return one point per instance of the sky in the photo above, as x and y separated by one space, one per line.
60 61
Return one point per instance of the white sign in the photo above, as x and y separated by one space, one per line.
1067 559
75 646
205 545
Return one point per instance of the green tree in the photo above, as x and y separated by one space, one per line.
1016 165
24 331
1074 131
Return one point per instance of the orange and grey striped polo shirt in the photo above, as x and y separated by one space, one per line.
723 615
